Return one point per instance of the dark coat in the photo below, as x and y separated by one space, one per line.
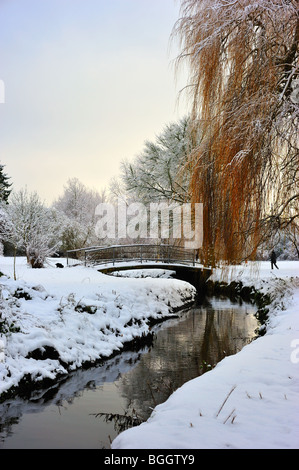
273 257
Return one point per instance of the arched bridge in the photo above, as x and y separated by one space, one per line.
107 259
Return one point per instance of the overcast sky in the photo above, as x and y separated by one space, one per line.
86 83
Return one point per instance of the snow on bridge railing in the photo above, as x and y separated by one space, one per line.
97 255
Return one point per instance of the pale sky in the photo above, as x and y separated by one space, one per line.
86 83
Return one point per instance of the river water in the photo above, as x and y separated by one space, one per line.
89 408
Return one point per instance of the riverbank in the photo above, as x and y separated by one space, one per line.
54 321
249 400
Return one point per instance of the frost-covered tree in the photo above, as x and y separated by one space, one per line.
4 185
292 232
4 225
243 62
156 173
284 242
32 227
78 204
158 178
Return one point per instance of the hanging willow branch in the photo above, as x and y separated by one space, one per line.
242 58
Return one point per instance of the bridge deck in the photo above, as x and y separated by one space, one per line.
124 257
137 253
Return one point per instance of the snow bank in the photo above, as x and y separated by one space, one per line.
249 400
55 320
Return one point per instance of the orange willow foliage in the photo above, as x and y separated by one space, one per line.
243 65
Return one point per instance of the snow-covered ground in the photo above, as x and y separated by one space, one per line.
249 400
53 320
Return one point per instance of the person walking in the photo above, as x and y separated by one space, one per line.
273 259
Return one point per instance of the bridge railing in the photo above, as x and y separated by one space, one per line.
137 253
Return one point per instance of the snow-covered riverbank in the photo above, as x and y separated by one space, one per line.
54 320
249 400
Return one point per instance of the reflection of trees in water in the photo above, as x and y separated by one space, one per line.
65 391
121 422
184 351
6 429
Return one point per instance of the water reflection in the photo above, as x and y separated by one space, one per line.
88 408
185 349
50 417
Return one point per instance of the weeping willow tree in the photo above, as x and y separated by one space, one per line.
242 58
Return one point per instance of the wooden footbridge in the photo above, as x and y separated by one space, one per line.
107 259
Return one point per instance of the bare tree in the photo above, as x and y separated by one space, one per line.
242 57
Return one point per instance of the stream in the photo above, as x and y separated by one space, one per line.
89 408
